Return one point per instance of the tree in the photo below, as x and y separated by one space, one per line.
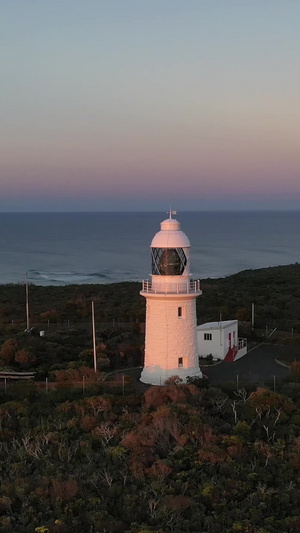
8 350
173 380
295 371
23 357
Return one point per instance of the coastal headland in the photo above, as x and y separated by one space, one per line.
83 450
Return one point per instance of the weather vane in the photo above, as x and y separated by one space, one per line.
170 212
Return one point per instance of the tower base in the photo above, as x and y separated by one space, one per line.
155 375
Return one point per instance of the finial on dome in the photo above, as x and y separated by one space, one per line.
171 213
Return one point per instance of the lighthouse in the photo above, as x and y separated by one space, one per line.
171 325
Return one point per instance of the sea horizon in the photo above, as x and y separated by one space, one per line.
65 247
265 210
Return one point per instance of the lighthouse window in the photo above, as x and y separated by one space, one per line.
207 336
180 361
168 261
180 312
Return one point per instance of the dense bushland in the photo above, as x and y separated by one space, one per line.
103 457
65 314
274 290
177 458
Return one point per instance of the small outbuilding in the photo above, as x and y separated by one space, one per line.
220 339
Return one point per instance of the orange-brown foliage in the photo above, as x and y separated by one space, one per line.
295 454
64 490
88 422
137 468
264 399
212 454
156 396
23 357
76 375
159 469
65 407
49 315
177 503
98 404
295 370
8 350
142 437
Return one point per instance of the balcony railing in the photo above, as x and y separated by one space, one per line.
171 287
242 343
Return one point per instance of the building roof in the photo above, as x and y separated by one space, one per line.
170 236
216 325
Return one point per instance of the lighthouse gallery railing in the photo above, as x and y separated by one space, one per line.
171 288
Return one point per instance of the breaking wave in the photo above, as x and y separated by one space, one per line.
68 278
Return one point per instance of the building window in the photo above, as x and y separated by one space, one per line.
207 336
180 312
180 361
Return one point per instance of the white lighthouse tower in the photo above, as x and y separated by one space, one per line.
171 326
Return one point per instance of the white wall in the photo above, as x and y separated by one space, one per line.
169 337
219 344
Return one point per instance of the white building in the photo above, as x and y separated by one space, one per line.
171 326
220 339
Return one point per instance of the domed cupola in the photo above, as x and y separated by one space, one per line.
170 250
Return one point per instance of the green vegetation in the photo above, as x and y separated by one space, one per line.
275 291
64 313
174 459
91 453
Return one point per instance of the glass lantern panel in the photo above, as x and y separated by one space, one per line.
168 261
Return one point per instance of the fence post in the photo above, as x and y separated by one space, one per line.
82 384
237 382
123 384
46 385
274 383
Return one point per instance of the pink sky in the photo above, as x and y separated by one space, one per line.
106 108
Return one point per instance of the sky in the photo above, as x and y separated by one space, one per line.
117 105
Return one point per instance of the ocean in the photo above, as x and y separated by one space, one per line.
65 248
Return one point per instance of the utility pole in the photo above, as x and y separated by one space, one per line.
94 338
252 319
27 300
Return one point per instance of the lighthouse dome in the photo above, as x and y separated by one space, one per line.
170 235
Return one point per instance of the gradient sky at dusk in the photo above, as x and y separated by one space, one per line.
138 104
